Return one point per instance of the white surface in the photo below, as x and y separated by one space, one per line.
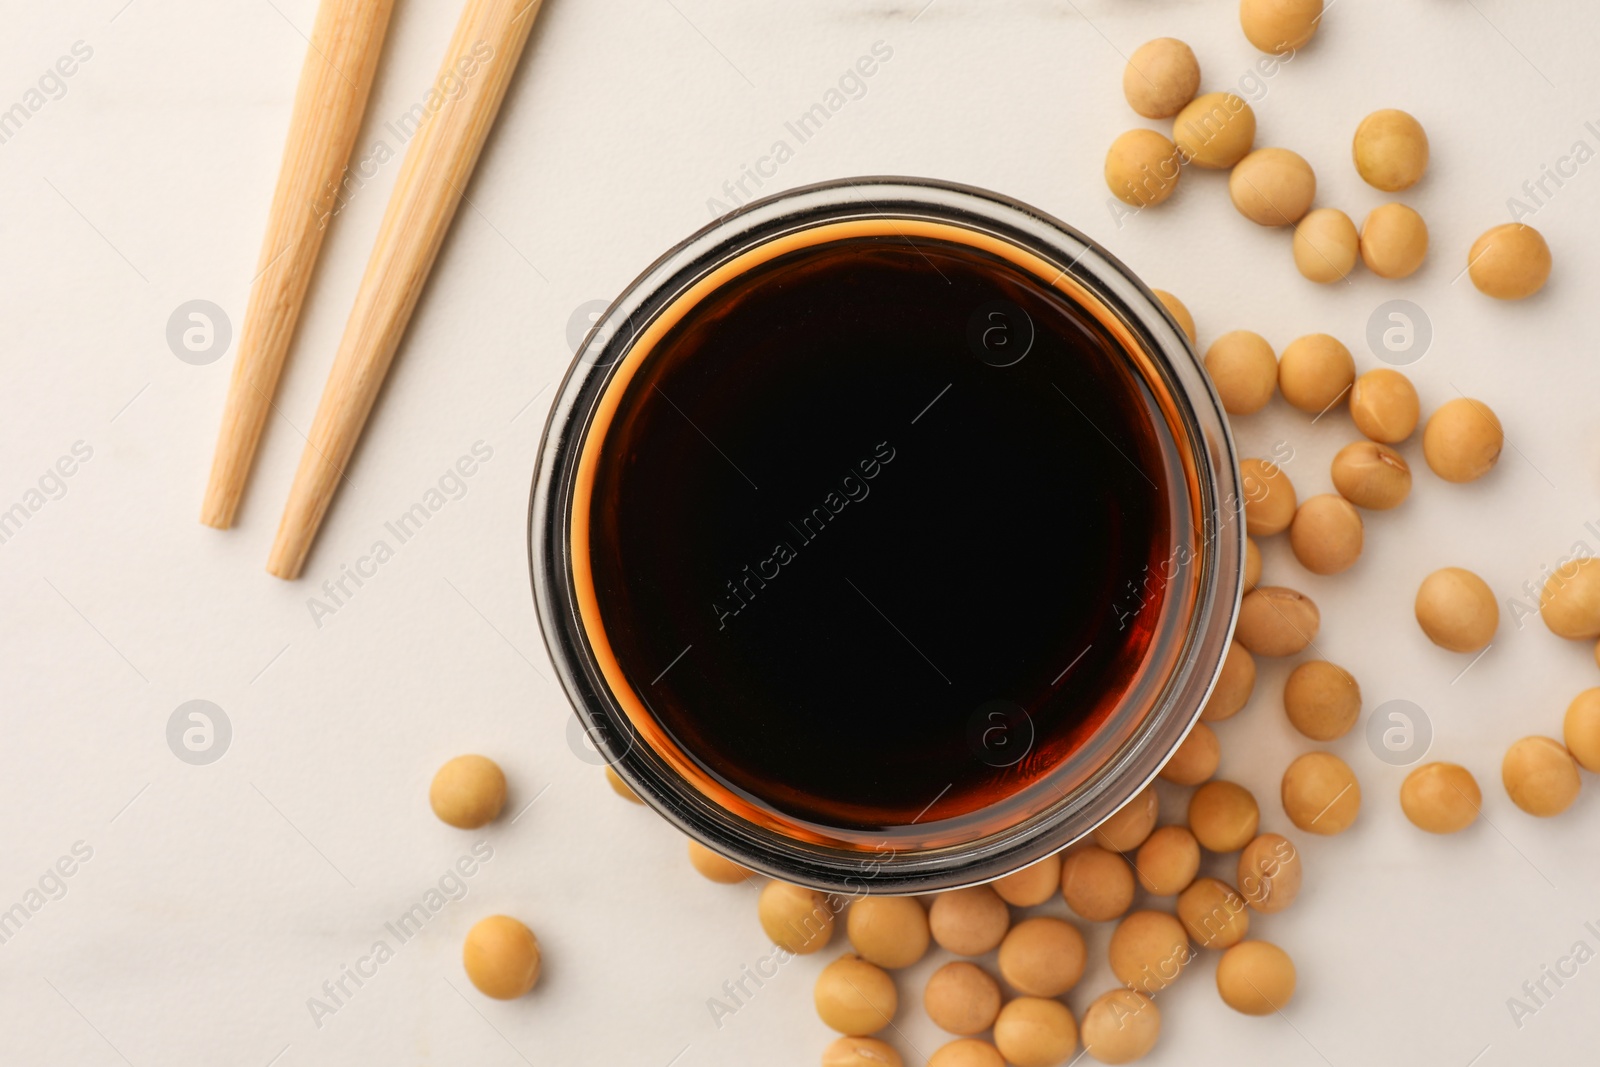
219 898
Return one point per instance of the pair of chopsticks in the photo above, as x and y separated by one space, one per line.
329 102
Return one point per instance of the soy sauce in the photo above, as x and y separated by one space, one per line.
873 531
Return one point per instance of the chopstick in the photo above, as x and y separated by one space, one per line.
335 81
428 189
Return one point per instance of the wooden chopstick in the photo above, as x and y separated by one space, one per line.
429 187
335 81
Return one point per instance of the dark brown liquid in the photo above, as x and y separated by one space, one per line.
862 573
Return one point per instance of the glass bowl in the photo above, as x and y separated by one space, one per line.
1200 577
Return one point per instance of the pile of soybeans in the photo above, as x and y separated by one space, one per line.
1011 1010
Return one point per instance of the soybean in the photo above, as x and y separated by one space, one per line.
1148 951
1315 371
962 998
1213 913
1270 873
1252 564
1142 168
1272 187
1177 310
1321 794
1097 884
1441 798
1168 861
891 932
1280 26
621 788
861 1052
1256 978
1161 76
1457 610
1224 816
1244 370
1462 440
1384 405
967 1052
468 792
1235 683
855 997
1371 475
1570 600
1321 700
1277 621
1540 776
1196 759
1214 131
716 867
969 922
1121 1026
1131 824
1034 1032
1269 497
1394 241
1390 150
501 957
1042 957
1034 884
795 918
1326 245
1581 729
1326 534
1509 262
